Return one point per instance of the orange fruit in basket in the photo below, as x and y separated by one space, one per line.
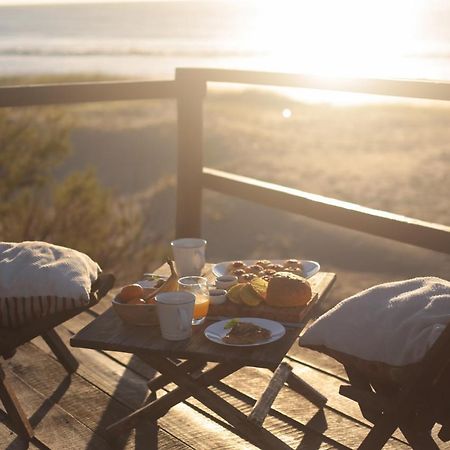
130 292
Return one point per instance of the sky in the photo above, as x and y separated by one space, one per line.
40 2
37 2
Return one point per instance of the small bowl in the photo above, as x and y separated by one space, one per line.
217 296
226 281
142 315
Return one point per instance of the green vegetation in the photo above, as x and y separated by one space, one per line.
76 211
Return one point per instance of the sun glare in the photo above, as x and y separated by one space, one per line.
330 38
286 113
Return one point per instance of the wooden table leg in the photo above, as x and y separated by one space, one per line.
157 408
189 366
255 434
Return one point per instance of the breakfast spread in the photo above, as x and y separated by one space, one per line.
263 268
254 288
242 333
266 289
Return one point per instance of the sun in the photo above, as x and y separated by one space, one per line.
333 38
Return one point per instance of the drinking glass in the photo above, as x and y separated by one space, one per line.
199 287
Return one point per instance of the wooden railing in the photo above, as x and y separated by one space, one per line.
189 89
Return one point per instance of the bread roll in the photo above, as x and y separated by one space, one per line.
288 289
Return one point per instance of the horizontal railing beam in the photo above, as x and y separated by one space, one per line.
107 91
349 215
431 90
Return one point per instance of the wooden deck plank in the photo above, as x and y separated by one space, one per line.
334 376
331 386
326 384
293 419
9 440
339 427
191 427
89 405
304 407
53 426
289 430
129 360
318 360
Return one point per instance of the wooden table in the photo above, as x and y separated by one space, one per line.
107 332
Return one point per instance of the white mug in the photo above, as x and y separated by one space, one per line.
189 255
175 312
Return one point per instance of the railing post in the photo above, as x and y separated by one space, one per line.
191 90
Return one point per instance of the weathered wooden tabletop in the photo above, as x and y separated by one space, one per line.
108 332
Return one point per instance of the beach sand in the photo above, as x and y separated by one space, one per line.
388 156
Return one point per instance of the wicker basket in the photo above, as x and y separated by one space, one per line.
142 315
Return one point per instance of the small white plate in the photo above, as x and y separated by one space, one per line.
310 268
217 331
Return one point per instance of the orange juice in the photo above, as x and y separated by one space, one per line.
199 287
201 306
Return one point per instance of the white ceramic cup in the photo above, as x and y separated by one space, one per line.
189 255
175 312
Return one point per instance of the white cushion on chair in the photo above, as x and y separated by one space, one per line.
38 279
392 323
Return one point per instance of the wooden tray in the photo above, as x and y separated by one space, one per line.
291 316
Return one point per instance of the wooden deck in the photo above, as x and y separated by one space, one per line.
72 412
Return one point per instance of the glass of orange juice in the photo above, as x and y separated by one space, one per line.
199 287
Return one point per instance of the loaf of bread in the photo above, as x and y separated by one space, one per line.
288 289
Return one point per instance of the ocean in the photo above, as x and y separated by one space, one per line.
397 39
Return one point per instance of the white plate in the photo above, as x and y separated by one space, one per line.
217 331
309 267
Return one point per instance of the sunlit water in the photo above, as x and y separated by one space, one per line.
395 39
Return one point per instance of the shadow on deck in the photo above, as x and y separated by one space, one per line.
72 412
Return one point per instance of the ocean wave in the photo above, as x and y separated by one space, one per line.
175 51
163 53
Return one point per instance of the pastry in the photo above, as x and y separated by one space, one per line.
237 265
292 263
254 268
247 277
238 272
263 262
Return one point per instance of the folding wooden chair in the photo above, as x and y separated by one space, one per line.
414 405
10 339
